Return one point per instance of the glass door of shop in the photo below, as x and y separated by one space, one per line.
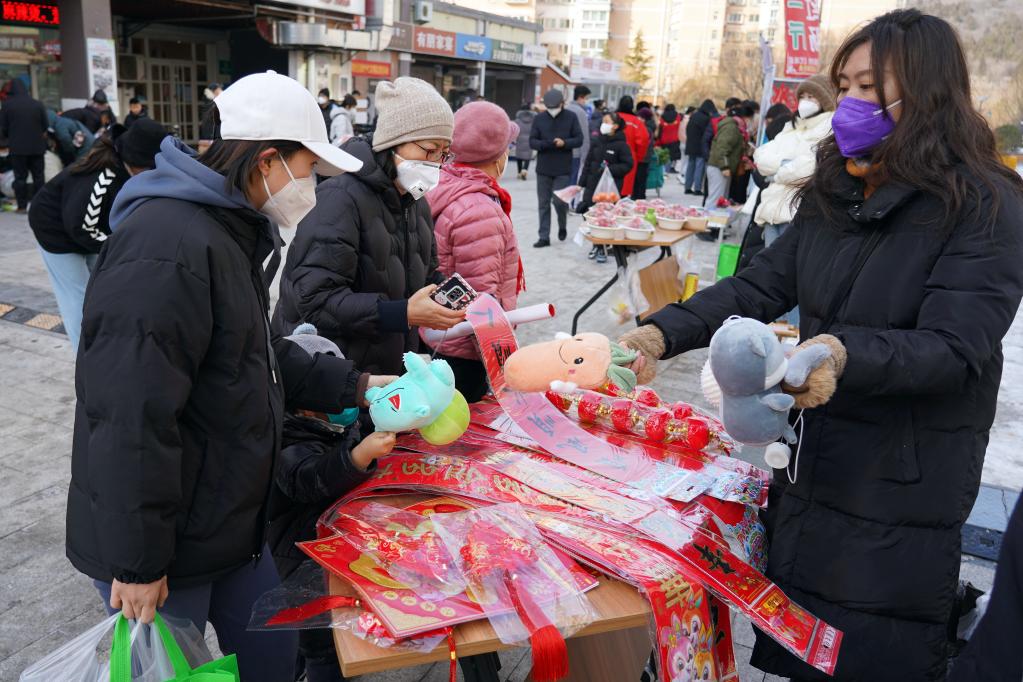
172 97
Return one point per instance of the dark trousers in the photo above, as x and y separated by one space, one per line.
23 165
267 656
546 185
523 164
639 185
576 164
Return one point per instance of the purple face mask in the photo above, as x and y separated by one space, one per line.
860 126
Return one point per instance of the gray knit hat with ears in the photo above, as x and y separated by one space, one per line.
410 109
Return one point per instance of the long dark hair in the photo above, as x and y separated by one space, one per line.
941 144
101 155
236 160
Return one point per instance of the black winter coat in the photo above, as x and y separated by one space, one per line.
315 469
181 397
551 159
356 259
868 538
23 121
71 213
695 129
610 149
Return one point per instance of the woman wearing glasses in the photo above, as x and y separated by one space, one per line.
475 237
364 261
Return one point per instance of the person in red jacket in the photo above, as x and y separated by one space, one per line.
669 137
473 227
636 136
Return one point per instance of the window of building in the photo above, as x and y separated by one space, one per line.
754 17
564 23
735 18
713 34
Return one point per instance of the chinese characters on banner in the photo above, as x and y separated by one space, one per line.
802 38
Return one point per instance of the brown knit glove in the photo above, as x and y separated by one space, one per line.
821 383
649 341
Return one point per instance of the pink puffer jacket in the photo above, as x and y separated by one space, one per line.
475 239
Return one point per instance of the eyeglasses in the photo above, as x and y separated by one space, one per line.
436 155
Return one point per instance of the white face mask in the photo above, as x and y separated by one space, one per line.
808 108
606 128
288 205
554 111
417 177
321 99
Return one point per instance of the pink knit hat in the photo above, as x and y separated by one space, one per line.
482 133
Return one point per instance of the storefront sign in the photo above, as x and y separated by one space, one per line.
505 51
594 69
29 13
364 67
478 48
432 41
344 6
103 68
802 38
13 42
534 55
401 37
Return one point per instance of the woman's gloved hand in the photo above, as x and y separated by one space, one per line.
815 367
649 341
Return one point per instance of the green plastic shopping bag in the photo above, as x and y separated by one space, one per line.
221 670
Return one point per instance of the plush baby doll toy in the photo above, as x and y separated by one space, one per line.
423 398
569 362
749 370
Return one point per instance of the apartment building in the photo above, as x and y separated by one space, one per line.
574 28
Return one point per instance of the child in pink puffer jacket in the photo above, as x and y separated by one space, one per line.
473 229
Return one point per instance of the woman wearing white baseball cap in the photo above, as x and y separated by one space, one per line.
181 386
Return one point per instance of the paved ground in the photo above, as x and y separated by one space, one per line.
44 602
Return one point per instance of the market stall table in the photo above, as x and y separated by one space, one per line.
664 239
613 647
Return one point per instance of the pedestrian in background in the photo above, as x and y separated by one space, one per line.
578 107
646 115
610 150
327 106
91 114
207 127
727 152
24 123
363 264
523 152
597 117
554 135
775 119
342 121
904 258
73 139
136 110
669 138
182 387
638 138
696 166
472 223
70 215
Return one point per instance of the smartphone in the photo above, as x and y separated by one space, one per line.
455 293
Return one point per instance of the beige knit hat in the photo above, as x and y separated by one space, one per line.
822 90
410 109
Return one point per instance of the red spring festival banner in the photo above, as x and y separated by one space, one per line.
802 38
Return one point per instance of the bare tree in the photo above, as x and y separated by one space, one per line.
742 74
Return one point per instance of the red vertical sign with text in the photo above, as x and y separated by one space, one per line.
802 38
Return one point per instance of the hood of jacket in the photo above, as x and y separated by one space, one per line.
178 175
815 128
457 182
339 111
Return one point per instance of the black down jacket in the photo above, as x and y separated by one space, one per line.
356 259
868 538
315 469
23 121
612 150
71 213
696 128
181 397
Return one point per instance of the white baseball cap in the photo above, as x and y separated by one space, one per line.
270 106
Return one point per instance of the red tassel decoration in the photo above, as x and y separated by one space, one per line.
550 654
453 667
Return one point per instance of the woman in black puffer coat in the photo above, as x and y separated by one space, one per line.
608 148
905 259
364 262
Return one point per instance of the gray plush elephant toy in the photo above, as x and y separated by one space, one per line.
749 365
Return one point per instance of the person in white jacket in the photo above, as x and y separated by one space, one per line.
790 158
341 118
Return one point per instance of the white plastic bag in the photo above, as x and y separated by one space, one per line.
83 660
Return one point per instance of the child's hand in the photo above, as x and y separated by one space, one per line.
374 446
